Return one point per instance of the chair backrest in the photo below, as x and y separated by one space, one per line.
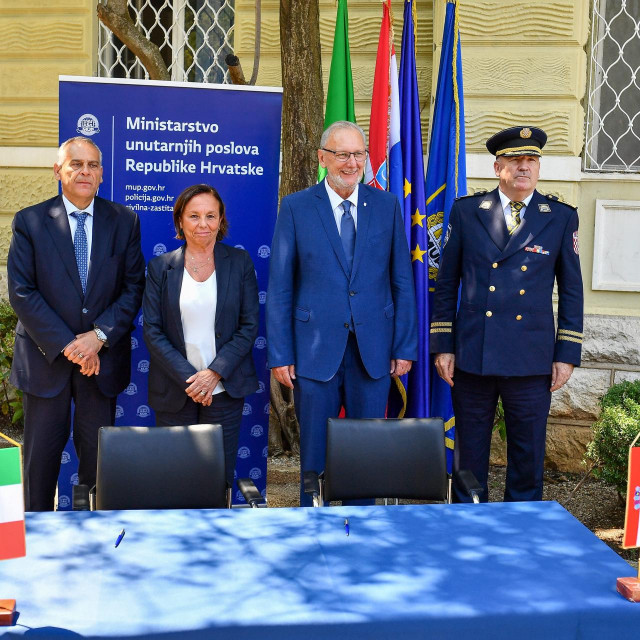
385 458
161 468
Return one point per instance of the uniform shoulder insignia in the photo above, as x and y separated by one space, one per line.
554 198
479 192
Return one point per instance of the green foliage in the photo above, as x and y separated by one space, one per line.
10 398
616 394
613 433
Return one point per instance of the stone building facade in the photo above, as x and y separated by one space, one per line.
523 62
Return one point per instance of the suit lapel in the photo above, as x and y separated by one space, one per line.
323 207
103 228
364 217
175 273
533 223
491 216
221 257
58 227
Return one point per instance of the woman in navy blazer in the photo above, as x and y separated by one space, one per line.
201 311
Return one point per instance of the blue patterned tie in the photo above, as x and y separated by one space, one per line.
80 246
348 233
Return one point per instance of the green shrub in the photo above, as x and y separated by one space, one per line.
613 433
10 398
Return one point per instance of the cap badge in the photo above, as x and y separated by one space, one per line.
525 133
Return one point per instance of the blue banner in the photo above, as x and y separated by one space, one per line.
156 139
446 180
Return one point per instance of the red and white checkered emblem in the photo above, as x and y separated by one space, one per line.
575 243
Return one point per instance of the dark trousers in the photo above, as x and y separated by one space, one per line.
316 402
47 424
223 410
526 401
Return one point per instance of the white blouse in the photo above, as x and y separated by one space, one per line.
198 301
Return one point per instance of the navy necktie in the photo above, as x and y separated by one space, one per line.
81 249
348 233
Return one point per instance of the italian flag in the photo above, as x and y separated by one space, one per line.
12 532
340 102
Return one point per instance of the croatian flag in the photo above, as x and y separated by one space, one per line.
384 164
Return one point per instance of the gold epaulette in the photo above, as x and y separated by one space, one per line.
554 198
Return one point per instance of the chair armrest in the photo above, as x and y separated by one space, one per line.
311 482
250 492
469 484
80 497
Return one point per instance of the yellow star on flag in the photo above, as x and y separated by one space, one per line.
417 218
407 187
417 254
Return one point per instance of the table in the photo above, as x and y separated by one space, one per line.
518 570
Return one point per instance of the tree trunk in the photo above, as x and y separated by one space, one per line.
115 16
303 96
302 121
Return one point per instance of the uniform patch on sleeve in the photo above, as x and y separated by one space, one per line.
576 248
446 237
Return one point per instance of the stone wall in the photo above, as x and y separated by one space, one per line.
610 354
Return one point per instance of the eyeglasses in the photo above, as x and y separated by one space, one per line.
343 156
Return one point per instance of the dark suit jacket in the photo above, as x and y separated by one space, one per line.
504 325
312 297
236 326
46 294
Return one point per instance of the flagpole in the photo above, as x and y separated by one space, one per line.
8 439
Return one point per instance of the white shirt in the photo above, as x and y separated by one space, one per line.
198 302
88 224
506 207
336 205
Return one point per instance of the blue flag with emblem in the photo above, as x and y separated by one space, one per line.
446 180
410 395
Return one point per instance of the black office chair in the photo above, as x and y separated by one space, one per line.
164 468
383 458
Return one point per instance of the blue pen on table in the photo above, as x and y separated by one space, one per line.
119 540
346 526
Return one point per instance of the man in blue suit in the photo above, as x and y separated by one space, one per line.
341 312
76 276
506 249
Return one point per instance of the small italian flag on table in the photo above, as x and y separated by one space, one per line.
12 532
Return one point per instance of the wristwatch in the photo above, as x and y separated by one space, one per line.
102 336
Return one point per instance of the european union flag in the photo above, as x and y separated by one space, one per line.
446 180
416 384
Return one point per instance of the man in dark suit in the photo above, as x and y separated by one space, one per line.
507 248
341 312
76 275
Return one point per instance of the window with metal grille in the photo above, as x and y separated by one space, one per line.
613 109
194 37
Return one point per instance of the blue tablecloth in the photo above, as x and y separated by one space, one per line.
519 570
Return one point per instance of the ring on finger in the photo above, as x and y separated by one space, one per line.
81 355
203 392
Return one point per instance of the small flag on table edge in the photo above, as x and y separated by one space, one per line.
12 529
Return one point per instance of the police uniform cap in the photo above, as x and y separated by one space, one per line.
517 141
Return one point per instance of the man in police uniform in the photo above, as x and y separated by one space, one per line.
506 248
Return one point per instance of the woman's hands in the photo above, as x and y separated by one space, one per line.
201 386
